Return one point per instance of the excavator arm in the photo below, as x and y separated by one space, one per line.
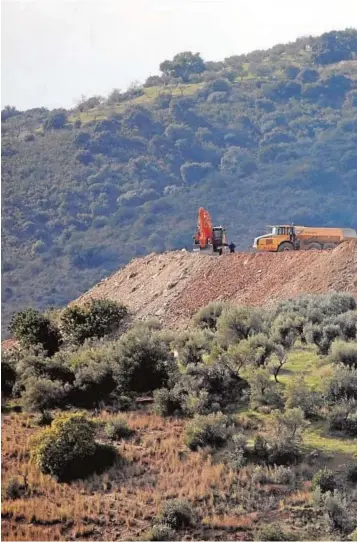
204 233
207 236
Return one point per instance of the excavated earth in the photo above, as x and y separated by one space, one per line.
172 286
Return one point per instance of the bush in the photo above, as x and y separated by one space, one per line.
345 353
142 361
273 532
207 316
325 480
343 417
237 323
8 376
31 328
263 391
43 394
352 473
239 452
284 453
337 513
160 532
13 489
67 450
290 424
322 336
212 430
298 394
207 388
165 403
45 418
95 319
190 347
342 385
117 429
274 475
177 514
94 377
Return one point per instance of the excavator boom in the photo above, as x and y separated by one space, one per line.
208 236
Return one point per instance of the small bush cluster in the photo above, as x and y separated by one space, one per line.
325 480
117 429
67 449
211 430
31 328
176 514
95 319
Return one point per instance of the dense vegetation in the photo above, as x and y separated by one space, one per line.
232 383
264 137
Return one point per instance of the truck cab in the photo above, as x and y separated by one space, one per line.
279 237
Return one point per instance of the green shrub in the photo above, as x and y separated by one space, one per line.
282 452
95 319
343 417
165 404
273 532
325 480
298 394
117 429
237 323
41 394
273 475
205 388
13 489
263 391
191 346
345 353
322 336
239 451
8 375
337 513
261 449
45 418
342 385
31 328
212 430
352 473
142 361
67 450
160 532
207 316
177 514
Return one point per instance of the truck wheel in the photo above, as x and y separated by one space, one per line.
314 246
330 246
285 246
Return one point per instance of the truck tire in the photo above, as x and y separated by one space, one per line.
330 246
314 246
285 246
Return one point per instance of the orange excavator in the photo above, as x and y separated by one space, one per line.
209 238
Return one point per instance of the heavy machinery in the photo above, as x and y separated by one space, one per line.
209 238
289 237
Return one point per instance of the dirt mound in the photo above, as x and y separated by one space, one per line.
174 285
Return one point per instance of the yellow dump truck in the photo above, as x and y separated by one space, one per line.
290 237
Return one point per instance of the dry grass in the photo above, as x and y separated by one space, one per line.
123 502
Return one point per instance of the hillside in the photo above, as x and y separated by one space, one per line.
172 287
258 138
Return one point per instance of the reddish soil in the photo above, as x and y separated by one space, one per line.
173 286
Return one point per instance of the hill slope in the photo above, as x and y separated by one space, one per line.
173 286
264 137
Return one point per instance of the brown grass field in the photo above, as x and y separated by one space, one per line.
122 503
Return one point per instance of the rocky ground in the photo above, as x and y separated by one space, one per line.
172 286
